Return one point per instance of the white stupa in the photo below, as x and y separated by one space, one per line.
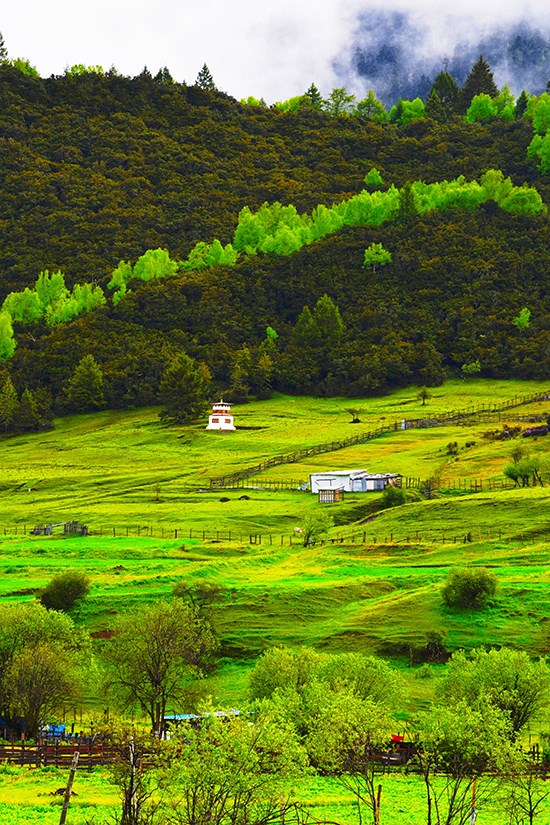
221 418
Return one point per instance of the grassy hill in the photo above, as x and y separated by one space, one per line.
373 586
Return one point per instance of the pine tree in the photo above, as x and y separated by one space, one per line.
9 405
521 104
315 100
448 92
28 417
435 108
479 81
408 204
85 387
184 391
240 375
205 80
3 50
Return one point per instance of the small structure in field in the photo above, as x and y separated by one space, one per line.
220 418
351 481
334 496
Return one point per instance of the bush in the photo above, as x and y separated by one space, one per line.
65 590
469 587
393 496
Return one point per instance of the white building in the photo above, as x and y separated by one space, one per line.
352 481
220 417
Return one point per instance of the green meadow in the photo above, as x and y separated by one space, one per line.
372 586
27 797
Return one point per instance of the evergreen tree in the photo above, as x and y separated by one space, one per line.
3 50
447 90
314 98
205 80
240 375
479 81
521 104
28 417
408 204
85 386
9 405
370 108
327 319
184 391
435 108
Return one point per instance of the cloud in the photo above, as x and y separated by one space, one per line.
272 49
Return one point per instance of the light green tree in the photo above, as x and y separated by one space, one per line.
7 341
158 650
508 680
523 319
339 102
375 256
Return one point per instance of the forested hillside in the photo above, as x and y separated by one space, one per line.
98 168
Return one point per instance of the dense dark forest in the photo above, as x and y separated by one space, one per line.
99 168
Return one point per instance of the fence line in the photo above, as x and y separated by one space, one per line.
480 412
464 533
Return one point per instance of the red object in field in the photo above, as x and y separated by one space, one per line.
396 737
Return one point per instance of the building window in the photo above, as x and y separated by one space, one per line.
215 420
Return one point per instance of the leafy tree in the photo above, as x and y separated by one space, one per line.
508 680
85 386
393 496
9 404
405 111
459 743
469 587
523 319
24 307
205 80
156 651
234 772
523 790
373 178
184 390
27 627
345 739
279 668
479 81
315 527
339 102
471 368
42 680
370 108
423 395
65 591
155 263
7 341
481 109
375 256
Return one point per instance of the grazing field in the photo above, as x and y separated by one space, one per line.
27 797
373 585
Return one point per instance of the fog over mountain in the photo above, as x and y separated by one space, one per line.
398 54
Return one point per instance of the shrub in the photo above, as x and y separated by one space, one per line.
65 590
469 587
393 496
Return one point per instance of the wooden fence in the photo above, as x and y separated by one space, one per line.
473 413
57 754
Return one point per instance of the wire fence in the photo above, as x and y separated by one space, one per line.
480 412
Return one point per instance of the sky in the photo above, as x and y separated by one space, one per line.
265 48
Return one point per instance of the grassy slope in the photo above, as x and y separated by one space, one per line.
376 591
